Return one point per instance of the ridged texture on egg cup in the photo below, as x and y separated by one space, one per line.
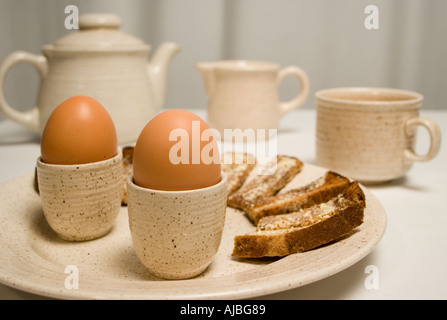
176 234
81 202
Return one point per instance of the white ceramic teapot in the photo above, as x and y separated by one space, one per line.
102 62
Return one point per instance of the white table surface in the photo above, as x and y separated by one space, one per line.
411 259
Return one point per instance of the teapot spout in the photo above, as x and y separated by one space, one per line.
158 70
206 69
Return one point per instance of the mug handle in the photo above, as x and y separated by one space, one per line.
435 139
29 119
296 102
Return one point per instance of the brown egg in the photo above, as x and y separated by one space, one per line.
175 151
78 131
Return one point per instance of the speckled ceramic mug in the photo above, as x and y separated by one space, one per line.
81 202
369 134
176 234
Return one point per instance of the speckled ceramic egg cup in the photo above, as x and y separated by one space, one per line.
81 202
176 234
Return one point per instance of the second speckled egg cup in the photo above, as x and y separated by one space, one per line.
81 202
176 234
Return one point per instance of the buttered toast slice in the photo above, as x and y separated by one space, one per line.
300 231
127 170
266 185
318 191
237 166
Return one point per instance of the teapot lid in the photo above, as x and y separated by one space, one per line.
99 32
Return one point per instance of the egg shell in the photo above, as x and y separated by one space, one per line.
79 131
169 153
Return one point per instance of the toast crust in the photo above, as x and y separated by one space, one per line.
127 170
237 166
279 236
266 185
316 192
278 243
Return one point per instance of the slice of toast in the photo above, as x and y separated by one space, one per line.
300 231
237 166
127 170
261 185
318 191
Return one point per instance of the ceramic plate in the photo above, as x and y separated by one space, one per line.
34 259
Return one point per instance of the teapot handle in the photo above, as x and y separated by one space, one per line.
29 119
287 106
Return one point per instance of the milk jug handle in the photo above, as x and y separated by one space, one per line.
296 102
29 119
